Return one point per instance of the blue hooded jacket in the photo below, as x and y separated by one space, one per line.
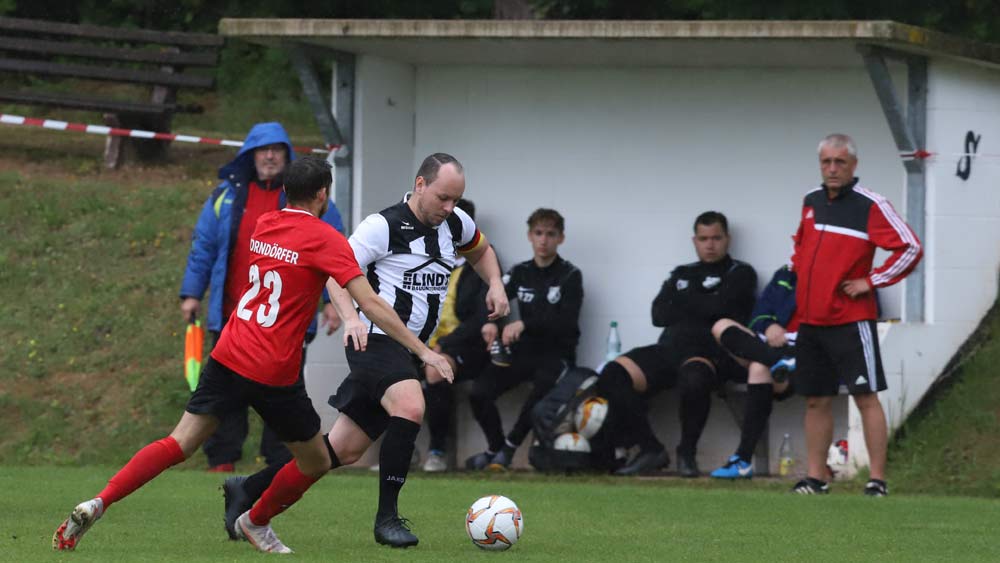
776 303
219 223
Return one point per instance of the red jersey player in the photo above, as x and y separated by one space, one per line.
256 361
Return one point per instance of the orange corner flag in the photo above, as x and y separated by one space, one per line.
193 344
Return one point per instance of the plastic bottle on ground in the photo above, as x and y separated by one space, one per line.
614 343
786 458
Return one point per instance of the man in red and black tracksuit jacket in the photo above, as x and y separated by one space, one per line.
842 224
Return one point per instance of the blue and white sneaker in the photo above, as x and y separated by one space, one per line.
735 468
782 369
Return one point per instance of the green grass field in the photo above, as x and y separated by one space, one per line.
178 518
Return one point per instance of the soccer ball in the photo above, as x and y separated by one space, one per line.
494 523
571 442
590 416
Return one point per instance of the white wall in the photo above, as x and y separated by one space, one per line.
384 130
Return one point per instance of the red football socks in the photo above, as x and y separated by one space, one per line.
146 464
287 488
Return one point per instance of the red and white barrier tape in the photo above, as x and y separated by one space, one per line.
136 133
927 155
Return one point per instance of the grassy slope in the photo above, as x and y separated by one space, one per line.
953 445
177 518
89 275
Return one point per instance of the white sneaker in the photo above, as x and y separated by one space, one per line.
68 533
435 463
261 537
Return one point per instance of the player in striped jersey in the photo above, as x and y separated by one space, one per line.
407 252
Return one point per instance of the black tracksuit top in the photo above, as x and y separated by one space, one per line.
549 300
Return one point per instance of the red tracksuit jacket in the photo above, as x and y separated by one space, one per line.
836 241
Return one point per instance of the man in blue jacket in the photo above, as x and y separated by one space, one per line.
219 262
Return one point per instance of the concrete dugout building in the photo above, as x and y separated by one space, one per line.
630 129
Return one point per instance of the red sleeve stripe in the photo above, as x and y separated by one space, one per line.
477 239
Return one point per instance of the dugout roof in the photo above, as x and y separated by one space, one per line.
632 43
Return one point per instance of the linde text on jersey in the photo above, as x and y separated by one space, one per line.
274 251
425 281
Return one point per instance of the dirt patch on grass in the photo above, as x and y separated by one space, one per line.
42 416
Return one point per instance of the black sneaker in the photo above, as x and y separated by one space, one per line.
236 502
478 461
501 461
876 488
810 486
687 466
646 461
395 532
499 354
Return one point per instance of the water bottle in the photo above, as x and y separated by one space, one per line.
614 343
786 459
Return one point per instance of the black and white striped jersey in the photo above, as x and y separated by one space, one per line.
408 263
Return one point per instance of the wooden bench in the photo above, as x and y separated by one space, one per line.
153 59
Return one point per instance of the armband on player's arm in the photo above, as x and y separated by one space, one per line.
474 248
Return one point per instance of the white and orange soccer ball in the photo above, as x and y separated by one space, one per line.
494 523
590 415
571 442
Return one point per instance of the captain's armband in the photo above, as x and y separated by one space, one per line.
478 241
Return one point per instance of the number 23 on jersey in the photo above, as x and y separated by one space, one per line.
267 314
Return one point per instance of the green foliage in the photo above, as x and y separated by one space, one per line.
176 518
256 83
204 15
974 19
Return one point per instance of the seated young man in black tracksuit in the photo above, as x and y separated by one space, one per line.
548 293
458 338
694 297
